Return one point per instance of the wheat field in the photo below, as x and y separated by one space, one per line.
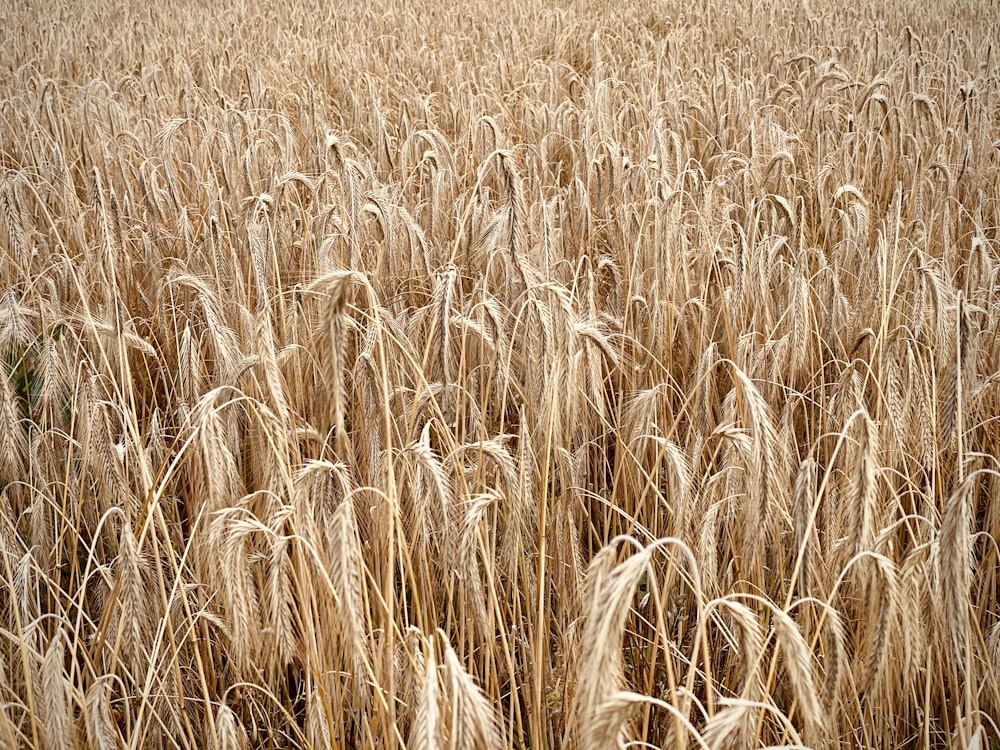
499 374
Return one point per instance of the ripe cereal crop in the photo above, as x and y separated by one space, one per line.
421 375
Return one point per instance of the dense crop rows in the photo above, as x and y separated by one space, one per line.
498 374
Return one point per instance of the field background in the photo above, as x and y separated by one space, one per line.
499 374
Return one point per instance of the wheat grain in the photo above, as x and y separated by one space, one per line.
750 645
101 732
799 663
835 654
425 731
882 599
730 728
803 501
954 553
58 730
134 605
232 735
472 721
861 507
